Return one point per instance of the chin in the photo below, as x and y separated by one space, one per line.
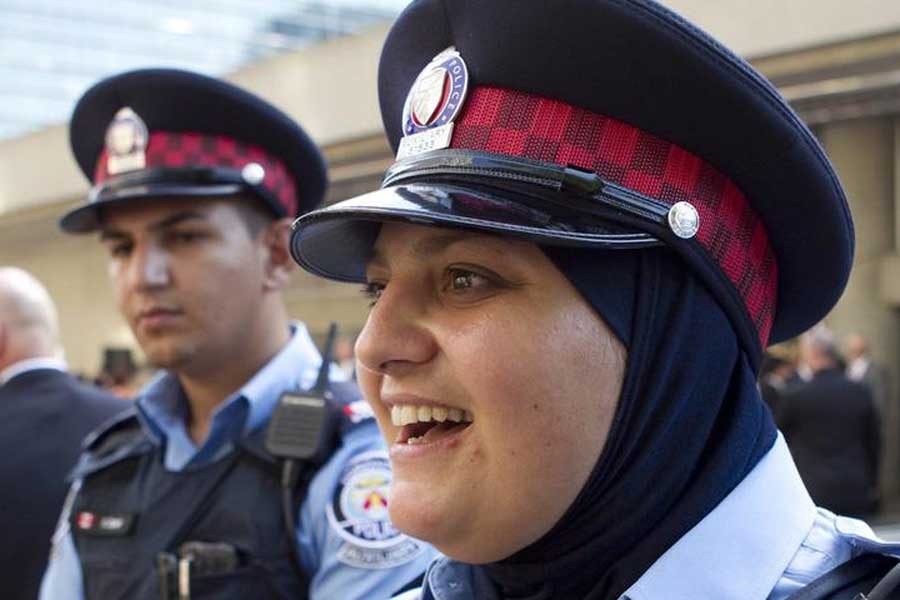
414 513
165 356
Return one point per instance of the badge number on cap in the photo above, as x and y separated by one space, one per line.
433 102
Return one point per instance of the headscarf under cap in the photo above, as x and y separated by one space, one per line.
688 428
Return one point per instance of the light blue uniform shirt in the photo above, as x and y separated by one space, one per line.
324 546
764 541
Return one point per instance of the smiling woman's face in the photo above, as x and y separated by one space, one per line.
493 381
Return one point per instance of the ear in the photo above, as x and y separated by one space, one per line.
4 339
276 239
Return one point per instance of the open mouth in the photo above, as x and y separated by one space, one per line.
427 424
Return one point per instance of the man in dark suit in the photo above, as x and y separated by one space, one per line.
44 414
832 428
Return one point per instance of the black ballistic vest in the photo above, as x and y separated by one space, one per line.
130 509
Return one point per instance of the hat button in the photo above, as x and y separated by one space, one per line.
684 220
253 173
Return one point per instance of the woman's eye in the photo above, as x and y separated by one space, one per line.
464 281
372 291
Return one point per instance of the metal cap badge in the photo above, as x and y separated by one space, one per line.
126 142
435 99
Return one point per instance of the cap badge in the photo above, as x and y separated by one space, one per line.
435 99
126 142
684 220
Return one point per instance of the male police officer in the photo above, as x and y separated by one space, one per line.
195 183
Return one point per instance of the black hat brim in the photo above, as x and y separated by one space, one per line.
87 218
336 242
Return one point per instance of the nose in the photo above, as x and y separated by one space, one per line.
149 267
396 337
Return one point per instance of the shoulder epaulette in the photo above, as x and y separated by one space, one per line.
115 439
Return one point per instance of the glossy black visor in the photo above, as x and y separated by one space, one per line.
529 200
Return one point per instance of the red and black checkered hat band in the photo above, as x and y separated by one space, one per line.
508 122
185 149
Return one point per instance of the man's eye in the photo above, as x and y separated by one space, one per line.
186 237
120 250
372 291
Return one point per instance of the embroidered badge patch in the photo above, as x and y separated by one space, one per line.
359 515
435 99
358 411
95 524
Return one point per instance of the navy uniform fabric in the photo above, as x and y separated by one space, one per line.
235 500
832 428
44 416
337 560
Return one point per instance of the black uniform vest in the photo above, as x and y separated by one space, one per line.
130 509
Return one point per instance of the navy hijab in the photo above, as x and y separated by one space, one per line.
688 428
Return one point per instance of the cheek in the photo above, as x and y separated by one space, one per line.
547 390
117 279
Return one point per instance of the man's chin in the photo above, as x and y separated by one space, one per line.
167 357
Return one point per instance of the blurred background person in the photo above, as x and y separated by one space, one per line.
345 359
832 428
118 373
860 367
778 373
44 414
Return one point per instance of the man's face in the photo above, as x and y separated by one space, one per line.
188 277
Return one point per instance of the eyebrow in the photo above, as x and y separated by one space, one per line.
108 233
429 246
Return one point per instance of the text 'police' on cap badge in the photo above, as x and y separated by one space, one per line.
434 101
126 142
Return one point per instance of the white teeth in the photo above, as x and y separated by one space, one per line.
409 414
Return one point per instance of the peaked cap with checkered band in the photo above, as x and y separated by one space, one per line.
173 133
601 123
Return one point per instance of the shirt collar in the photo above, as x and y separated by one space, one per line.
31 364
294 368
741 548
162 405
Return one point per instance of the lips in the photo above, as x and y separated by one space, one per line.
157 317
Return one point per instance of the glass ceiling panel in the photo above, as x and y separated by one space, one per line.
52 50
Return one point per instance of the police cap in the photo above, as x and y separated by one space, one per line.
172 133
601 123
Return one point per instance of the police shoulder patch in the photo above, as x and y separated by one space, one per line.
358 513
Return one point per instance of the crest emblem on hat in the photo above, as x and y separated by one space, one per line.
434 101
126 142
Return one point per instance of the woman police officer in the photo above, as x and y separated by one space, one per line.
598 219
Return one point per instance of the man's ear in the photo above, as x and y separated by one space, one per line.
276 238
4 339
